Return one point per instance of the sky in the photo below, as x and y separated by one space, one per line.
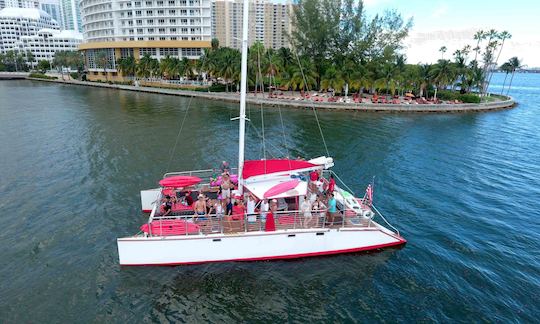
453 23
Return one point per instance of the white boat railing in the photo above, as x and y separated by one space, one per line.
283 220
377 212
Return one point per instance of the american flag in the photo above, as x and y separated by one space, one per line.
368 198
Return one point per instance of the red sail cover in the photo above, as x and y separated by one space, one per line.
259 167
179 181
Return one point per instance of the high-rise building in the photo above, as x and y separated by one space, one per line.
52 7
18 22
159 28
269 22
71 14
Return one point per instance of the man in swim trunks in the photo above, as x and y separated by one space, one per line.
226 186
200 208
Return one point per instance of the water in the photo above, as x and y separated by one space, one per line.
462 188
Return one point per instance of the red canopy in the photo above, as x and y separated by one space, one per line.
179 181
259 167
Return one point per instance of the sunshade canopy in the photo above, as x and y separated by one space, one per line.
179 181
278 187
260 167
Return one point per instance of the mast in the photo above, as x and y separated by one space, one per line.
243 90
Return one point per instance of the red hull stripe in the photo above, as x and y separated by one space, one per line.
280 257
147 210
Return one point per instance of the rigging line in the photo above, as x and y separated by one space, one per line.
259 77
173 151
312 106
274 146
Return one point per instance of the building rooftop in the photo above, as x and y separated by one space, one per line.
57 33
28 13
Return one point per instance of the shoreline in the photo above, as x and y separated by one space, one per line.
300 104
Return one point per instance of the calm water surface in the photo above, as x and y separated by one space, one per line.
463 188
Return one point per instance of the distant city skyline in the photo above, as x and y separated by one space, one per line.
453 23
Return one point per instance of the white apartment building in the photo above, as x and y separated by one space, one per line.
269 22
46 42
19 4
120 28
18 22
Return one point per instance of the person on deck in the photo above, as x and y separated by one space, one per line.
252 217
238 210
270 224
200 208
187 200
228 207
305 208
167 206
331 185
318 208
313 178
263 209
332 209
224 168
226 186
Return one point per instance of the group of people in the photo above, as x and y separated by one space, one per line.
320 200
317 205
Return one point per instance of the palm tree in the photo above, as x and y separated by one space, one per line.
443 50
128 66
515 64
274 65
333 78
145 66
229 66
479 36
442 75
507 69
301 76
256 57
503 36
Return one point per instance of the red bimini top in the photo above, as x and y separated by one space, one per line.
179 181
260 167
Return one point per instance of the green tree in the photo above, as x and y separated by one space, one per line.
60 60
43 66
214 43
128 66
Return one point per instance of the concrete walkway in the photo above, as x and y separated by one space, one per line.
301 104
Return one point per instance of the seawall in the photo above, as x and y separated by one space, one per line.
300 104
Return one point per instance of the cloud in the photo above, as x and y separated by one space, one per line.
424 46
440 10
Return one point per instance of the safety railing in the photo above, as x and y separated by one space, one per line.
377 212
193 224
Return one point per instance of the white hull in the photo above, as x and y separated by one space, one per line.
252 246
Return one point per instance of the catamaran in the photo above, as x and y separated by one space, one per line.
300 210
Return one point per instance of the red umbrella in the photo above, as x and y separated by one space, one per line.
281 188
179 181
